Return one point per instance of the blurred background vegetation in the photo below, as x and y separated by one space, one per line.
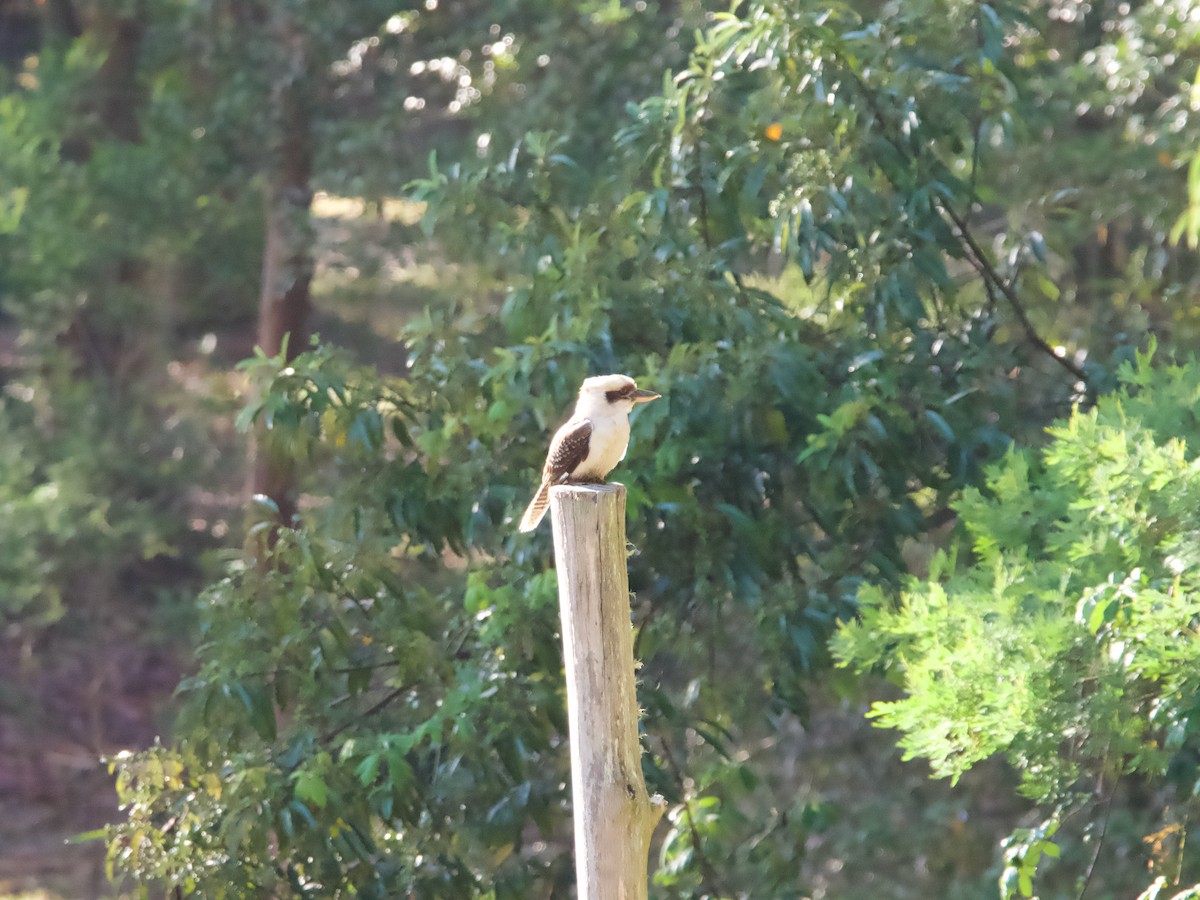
293 292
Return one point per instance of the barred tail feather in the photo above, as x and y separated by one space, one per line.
537 508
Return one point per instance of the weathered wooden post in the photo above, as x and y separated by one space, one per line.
614 815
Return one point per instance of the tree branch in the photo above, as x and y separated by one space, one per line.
707 872
988 273
388 698
1091 869
978 259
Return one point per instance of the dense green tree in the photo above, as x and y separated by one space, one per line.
1062 632
92 480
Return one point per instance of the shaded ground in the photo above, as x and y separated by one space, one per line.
64 704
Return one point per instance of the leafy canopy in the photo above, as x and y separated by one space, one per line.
1062 632
782 241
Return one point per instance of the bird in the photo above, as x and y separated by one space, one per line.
593 440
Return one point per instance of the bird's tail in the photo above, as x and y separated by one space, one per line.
537 508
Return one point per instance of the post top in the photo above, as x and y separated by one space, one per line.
583 490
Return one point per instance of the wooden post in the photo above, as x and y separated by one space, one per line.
614 816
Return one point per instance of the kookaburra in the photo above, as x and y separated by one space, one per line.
592 442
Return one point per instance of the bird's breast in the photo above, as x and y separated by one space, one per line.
609 441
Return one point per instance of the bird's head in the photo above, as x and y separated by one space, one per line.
613 391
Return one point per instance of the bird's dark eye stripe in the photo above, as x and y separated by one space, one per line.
624 392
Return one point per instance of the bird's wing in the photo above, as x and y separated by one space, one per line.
568 450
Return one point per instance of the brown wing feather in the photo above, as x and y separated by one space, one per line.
568 450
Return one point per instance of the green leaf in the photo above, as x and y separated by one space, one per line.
400 773
368 769
311 788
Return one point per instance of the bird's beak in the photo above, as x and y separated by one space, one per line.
640 396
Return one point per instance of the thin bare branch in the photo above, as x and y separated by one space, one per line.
707 872
992 280
388 698
1091 869
980 262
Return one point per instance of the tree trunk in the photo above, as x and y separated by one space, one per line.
284 304
62 22
118 95
614 816
108 109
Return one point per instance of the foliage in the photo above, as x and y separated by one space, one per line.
78 514
1062 635
438 719
861 250
88 252
791 238
87 522
788 241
